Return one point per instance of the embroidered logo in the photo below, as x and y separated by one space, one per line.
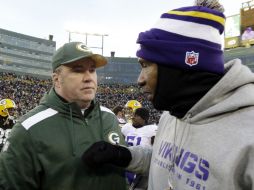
191 58
113 138
82 47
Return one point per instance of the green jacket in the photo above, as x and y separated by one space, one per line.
45 146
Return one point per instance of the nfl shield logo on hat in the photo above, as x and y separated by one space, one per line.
191 58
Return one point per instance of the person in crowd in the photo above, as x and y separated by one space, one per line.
129 109
44 148
248 34
205 134
7 120
118 111
139 133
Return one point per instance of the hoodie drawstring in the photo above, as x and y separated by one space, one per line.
72 134
101 123
177 150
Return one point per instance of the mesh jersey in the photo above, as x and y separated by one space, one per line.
139 136
3 136
5 129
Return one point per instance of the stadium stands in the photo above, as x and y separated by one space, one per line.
27 91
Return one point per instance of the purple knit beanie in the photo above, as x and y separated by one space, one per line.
187 38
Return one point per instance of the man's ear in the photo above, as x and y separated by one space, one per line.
55 79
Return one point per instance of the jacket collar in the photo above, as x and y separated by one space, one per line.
51 99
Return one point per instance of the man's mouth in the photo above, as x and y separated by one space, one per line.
146 93
87 88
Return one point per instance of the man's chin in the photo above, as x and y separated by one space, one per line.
149 97
88 98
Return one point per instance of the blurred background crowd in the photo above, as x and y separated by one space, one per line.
26 92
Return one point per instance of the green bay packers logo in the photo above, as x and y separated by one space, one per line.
82 47
114 138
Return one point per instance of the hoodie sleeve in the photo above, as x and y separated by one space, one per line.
19 167
141 158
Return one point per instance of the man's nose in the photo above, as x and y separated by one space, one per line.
141 80
87 76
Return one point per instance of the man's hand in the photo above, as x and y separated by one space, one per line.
102 152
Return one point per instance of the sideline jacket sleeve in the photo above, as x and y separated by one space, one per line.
141 158
19 167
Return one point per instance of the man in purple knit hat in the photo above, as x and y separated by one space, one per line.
205 137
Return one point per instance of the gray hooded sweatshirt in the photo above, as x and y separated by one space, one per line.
212 147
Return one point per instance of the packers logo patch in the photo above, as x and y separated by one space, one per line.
114 138
82 47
